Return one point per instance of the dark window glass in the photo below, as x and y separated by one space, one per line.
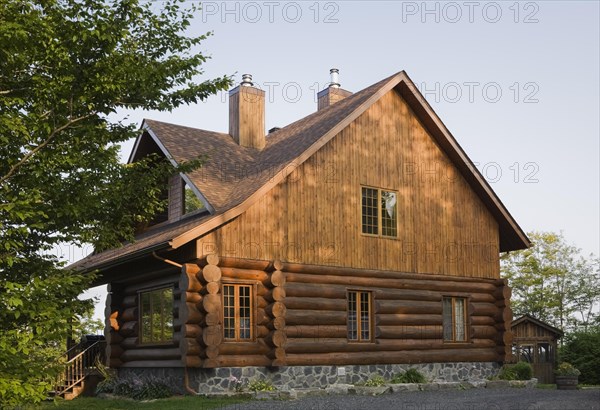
359 316
237 312
156 316
453 319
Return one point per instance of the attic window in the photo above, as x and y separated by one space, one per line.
191 202
379 212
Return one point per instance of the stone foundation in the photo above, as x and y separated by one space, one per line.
304 377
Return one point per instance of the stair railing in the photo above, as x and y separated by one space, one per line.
79 367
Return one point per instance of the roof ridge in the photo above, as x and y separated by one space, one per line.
171 124
306 117
346 100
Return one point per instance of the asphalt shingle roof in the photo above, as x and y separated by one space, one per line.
232 174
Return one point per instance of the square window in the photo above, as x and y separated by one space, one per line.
379 212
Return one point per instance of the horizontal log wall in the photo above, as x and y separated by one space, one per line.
300 318
407 317
315 215
122 327
270 316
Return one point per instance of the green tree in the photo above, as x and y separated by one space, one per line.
553 282
86 324
67 69
582 349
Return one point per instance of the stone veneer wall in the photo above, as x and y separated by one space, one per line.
302 377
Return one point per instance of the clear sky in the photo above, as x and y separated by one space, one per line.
517 84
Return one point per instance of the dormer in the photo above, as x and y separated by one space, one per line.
182 197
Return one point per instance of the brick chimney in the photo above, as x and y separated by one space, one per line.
247 114
333 93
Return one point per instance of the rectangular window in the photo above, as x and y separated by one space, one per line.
156 316
379 212
359 316
454 319
237 312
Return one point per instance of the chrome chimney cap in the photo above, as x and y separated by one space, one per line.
247 80
335 78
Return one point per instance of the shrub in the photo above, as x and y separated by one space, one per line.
137 389
410 376
582 349
152 389
507 373
519 371
523 370
567 369
124 388
260 385
375 381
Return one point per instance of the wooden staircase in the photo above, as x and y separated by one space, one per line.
82 361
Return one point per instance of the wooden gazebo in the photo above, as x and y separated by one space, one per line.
535 342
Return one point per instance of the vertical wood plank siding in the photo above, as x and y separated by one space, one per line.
315 216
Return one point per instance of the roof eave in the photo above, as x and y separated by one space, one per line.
120 260
519 239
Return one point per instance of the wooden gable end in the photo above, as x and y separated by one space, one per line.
530 331
314 216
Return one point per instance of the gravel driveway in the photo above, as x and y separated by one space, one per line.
492 399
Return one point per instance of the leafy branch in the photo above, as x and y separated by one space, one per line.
50 137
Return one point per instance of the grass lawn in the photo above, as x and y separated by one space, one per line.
177 402
546 386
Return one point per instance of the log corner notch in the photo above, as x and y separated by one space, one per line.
112 325
504 320
209 278
190 316
277 337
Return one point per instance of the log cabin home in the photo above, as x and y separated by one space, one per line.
355 240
